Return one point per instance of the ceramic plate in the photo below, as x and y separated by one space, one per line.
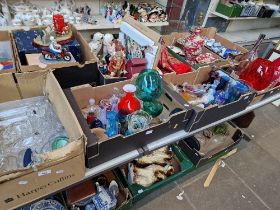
47 205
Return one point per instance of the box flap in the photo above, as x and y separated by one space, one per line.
142 28
8 88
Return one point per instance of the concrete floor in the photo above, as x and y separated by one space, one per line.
249 180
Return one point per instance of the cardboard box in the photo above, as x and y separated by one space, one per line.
87 58
210 33
5 36
61 167
181 164
100 150
124 199
205 116
139 28
235 136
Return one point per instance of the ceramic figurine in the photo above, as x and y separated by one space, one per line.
112 125
56 52
102 66
96 43
153 16
143 15
108 11
104 199
108 47
117 65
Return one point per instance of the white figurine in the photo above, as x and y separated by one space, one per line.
108 47
96 43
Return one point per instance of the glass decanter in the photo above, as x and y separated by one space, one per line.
249 57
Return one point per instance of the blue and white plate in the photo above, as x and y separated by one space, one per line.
47 205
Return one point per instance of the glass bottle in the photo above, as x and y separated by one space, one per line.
250 56
93 111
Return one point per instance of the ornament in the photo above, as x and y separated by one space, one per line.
149 85
138 121
56 52
117 65
153 108
129 103
193 45
59 142
259 74
112 126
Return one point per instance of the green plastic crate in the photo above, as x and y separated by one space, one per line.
139 192
234 10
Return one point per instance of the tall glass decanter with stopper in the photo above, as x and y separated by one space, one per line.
249 57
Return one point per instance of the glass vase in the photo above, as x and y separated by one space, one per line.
129 103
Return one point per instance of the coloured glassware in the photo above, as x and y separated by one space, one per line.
129 103
112 126
149 85
153 108
259 74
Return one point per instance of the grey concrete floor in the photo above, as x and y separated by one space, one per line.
249 180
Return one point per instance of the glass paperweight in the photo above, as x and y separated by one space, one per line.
153 108
129 103
138 121
149 85
59 142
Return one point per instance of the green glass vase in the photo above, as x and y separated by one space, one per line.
149 85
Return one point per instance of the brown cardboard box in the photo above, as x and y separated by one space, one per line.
61 167
6 36
87 56
210 33
100 147
205 116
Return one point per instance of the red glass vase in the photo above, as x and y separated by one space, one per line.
129 103
259 74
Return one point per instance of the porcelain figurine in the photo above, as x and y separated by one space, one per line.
96 43
117 65
56 52
153 16
108 47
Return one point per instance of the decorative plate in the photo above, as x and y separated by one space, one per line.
47 205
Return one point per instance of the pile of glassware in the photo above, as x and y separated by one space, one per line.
28 128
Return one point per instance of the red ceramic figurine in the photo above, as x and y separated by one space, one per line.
129 103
